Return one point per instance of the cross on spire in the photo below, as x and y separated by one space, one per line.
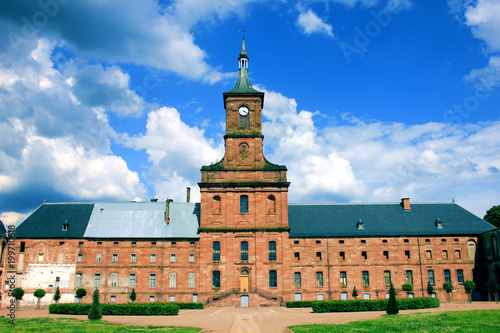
243 32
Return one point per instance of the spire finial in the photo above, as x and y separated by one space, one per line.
243 32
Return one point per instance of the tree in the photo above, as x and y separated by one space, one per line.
493 216
392 305
430 289
95 309
408 287
57 295
18 294
80 293
355 293
448 287
133 296
469 287
39 293
492 288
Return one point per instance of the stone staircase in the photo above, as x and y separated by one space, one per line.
232 298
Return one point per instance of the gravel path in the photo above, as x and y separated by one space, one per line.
254 320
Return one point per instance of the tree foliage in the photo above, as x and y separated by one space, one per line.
392 305
407 287
95 310
469 287
39 293
133 296
81 292
18 294
448 287
430 289
57 295
493 216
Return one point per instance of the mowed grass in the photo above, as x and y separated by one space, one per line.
443 322
75 325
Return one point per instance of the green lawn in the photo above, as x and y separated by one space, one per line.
460 321
75 325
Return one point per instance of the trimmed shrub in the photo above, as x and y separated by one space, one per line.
430 289
95 309
39 293
408 287
57 295
469 287
132 296
300 304
189 306
124 309
374 305
80 293
392 305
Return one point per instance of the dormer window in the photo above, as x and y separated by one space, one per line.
360 224
439 223
65 226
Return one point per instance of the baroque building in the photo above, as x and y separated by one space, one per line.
244 244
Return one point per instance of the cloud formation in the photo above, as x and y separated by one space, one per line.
310 23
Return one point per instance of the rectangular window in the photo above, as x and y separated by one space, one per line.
431 276
115 257
191 280
244 204
133 257
342 255
98 257
78 282
58 280
173 257
152 280
113 299
445 254
428 254
458 255
298 280
115 243
319 279
407 255
216 251
273 279
172 281
343 279
114 280
460 276
318 256
216 279
272 250
151 299
97 280
366 278
297 255
386 254
409 276
191 257
131 280
80 257
152 257
447 275
21 247
244 251
387 278
364 255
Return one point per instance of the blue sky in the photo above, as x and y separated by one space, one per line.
366 100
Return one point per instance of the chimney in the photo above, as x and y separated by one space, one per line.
405 203
188 194
167 211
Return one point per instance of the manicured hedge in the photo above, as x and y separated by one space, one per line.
301 304
374 305
125 309
189 306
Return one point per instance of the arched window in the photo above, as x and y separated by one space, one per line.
272 250
494 246
471 250
244 251
216 279
244 204
217 204
271 204
1 252
216 251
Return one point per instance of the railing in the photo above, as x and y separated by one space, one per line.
236 291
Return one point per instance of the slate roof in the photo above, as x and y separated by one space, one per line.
47 220
340 220
143 220
3 231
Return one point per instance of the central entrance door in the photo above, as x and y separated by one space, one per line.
244 281
245 301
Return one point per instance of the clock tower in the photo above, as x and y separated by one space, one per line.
244 204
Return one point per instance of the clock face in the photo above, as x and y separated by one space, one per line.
243 111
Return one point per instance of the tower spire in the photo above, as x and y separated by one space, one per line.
243 84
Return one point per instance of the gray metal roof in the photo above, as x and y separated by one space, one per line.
340 220
143 220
